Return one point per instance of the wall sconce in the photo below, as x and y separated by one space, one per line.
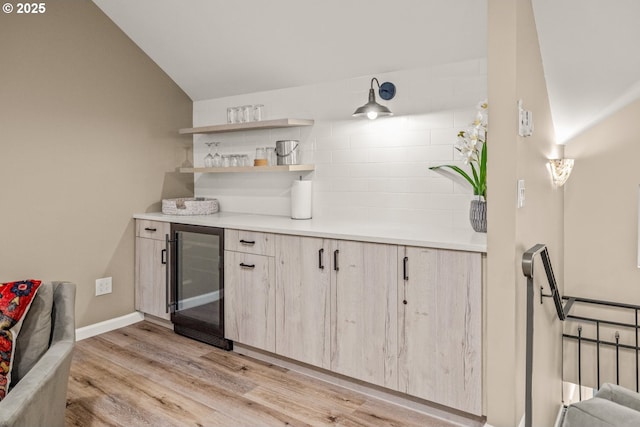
560 170
372 109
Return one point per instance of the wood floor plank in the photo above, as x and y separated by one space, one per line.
146 375
380 413
282 380
166 407
226 398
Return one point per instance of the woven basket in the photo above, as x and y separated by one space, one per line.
190 206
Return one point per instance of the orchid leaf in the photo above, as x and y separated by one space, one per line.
458 170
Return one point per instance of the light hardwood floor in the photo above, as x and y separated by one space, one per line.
145 375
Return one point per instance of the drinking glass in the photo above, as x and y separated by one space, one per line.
237 115
247 113
232 115
225 161
233 161
271 156
258 112
208 159
245 160
217 159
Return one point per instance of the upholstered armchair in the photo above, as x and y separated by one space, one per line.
44 347
611 406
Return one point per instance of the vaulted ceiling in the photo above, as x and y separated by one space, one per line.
217 48
590 56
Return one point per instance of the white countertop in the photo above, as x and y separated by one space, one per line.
380 232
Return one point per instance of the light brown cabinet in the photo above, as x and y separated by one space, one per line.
249 283
440 326
150 268
336 306
405 318
303 299
364 312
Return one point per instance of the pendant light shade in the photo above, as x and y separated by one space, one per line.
372 109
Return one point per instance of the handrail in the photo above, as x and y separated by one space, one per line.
528 268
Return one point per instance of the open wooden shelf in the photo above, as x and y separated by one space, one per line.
251 169
236 127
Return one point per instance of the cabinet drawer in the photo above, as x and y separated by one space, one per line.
152 229
250 242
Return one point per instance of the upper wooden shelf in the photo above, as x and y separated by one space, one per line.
236 127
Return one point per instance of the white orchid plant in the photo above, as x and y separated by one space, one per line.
472 146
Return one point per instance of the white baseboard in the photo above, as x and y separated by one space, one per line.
108 325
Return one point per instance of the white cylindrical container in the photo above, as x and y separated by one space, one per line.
301 200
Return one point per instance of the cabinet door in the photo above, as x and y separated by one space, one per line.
249 299
150 278
440 327
303 285
364 310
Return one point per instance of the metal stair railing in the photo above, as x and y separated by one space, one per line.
527 268
563 313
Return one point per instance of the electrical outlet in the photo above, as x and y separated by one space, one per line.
103 286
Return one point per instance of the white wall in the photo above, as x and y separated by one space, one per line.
376 170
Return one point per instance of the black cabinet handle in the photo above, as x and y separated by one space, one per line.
243 265
320 256
163 256
335 260
167 279
248 242
404 268
150 229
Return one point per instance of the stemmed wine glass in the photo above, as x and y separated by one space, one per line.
212 160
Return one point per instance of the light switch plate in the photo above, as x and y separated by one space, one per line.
525 121
521 189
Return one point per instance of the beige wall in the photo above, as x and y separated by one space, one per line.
88 134
515 72
601 230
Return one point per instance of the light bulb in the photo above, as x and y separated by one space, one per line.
372 115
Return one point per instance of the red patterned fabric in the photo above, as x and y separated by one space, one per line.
15 300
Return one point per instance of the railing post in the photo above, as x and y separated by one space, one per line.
528 398
527 269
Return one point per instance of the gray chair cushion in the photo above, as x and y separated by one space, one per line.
620 395
34 336
598 412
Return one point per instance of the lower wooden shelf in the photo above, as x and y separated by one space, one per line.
251 169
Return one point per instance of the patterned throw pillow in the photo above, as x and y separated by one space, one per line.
15 300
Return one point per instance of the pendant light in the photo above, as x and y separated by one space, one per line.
372 109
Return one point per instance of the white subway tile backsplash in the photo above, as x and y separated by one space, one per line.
332 143
389 185
431 153
350 156
367 169
405 169
372 170
327 171
384 155
444 136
